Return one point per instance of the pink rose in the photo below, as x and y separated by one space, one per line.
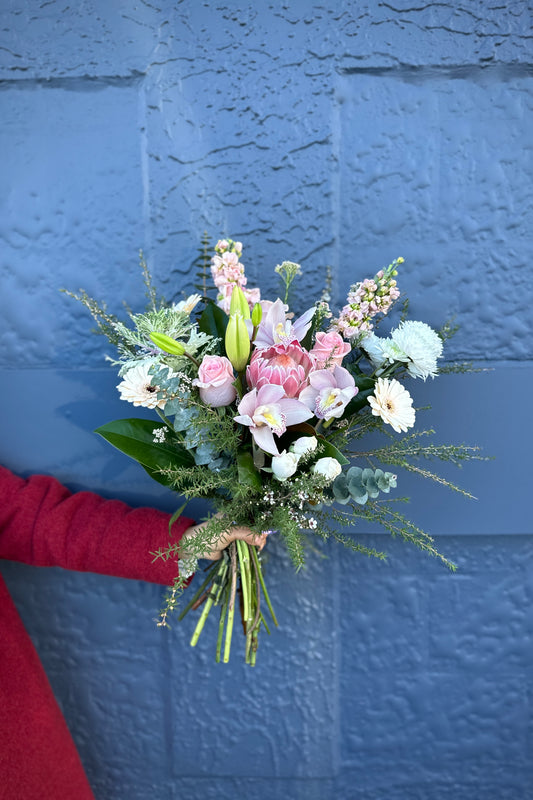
329 349
215 381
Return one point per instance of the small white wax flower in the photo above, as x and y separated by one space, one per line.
327 467
285 465
305 444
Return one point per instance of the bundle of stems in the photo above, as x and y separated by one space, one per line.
236 577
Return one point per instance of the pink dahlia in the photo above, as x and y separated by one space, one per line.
287 365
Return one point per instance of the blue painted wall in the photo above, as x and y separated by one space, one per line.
333 133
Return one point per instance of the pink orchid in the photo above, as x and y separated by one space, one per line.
286 365
267 411
328 392
275 328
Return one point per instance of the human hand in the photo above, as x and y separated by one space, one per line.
213 550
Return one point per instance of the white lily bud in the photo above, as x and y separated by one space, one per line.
328 467
285 465
305 444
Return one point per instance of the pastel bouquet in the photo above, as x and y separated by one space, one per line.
262 413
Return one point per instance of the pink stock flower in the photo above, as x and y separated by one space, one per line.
329 393
215 381
275 328
267 411
329 349
286 365
227 269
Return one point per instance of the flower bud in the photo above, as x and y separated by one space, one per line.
239 303
284 465
305 444
237 342
257 315
167 344
328 467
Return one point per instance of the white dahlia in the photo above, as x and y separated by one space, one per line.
393 404
421 345
138 389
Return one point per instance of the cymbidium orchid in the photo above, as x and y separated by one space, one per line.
328 392
275 328
268 411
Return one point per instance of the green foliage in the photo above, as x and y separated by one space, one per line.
209 431
448 330
382 513
402 452
359 484
150 290
461 368
200 481
288 271
247 472
202 267
135 438
105 322
214 322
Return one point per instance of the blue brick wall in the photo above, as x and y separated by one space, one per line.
332 133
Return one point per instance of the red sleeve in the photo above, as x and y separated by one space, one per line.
44 524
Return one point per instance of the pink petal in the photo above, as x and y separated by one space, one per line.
291 386
308 397
301 325
322 379
342 377
244 419
269 394
248 403
265 439
294 411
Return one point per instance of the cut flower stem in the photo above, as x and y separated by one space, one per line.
238 572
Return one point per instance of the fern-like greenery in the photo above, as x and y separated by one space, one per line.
402 452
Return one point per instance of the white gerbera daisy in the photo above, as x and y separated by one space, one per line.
138 389
393 404
421 345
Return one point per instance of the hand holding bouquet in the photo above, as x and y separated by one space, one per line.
262 413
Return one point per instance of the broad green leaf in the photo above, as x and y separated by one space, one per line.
329 450
363 382
213 321
135 438
366 388
247 471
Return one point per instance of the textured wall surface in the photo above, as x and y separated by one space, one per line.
330 133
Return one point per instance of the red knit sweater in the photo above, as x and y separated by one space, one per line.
42 523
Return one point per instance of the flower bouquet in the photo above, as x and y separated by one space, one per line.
261 413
